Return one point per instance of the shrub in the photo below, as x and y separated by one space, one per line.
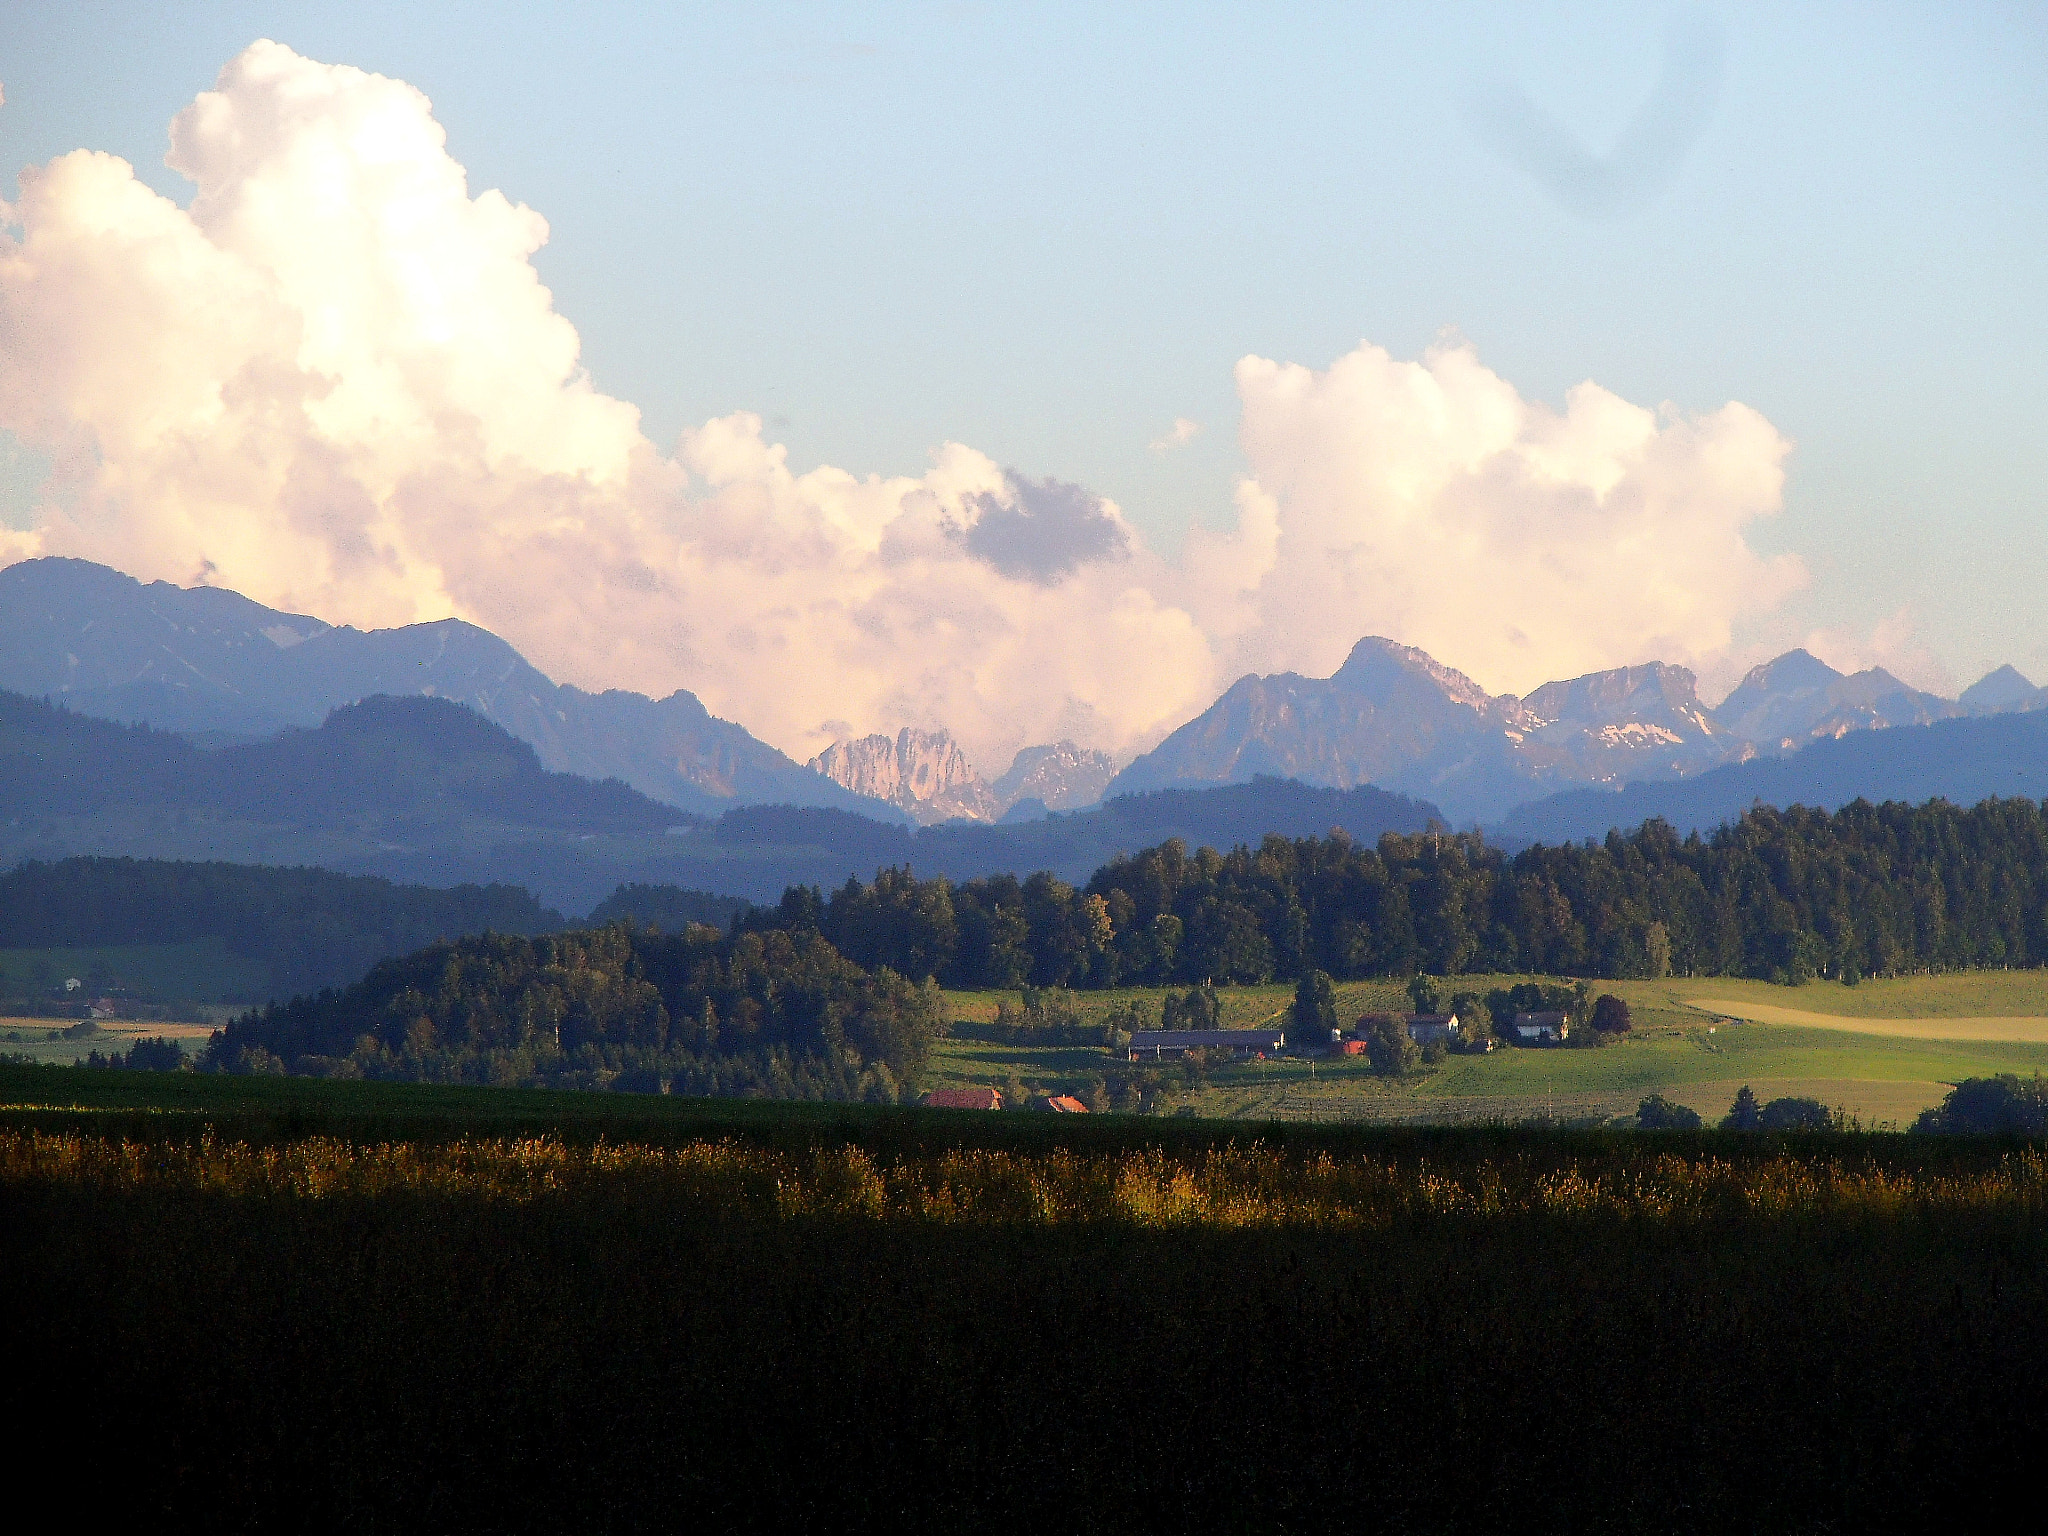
1610 1015
1791 1114
1991 1105
1388 1045
1657 1113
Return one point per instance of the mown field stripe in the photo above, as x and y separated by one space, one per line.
2026 1029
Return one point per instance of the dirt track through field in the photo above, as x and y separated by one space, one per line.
2032 1030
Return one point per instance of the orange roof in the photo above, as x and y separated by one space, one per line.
1066 1104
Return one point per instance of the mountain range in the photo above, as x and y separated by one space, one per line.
1396 717
426 791
219 668
925 775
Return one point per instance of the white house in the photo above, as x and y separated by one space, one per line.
1544 1028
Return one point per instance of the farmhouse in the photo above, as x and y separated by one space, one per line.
1547 1028
1160 1044
1433 1028
1423 1028
964 1098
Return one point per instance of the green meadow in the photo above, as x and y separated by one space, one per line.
1883 1050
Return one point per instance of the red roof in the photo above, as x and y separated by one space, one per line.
1066 1104
964 1098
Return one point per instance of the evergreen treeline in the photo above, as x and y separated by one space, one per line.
777 1014
1783 895
668 907
311 927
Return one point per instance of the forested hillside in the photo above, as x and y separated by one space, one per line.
1786 895
780 1014
307 928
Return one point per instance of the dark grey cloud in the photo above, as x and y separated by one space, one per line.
1646 158
1043 532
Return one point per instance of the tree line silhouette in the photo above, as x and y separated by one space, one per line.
1784 895
777 1015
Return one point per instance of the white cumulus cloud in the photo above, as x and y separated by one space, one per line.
1428 501
336 383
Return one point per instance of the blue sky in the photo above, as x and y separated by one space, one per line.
1050 232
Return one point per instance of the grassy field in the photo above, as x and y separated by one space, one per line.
1884 1051
43 1040
278 1303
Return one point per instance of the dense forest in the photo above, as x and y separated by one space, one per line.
837 997
310 928
1783 895
777 1014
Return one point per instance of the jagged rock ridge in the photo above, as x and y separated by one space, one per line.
1061 777
1798 698
1395 717
924 774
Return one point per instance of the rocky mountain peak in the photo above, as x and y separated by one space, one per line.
922 773
1797 668
1777 702
1654 695
1387 669
2003 691
1062 777
1797 698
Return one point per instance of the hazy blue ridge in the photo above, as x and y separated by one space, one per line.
1961 760
220 667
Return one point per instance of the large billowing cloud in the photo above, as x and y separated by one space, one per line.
337 384
1429 502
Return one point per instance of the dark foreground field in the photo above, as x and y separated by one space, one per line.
295 1306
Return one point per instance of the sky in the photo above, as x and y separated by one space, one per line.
1037 371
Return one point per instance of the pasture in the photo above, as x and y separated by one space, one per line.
1883 1050
46 1041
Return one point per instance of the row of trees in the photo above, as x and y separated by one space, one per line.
1784 895
1746 1113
